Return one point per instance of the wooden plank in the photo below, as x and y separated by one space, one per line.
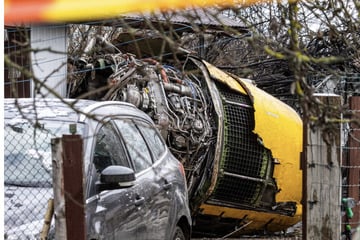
322 173
73 187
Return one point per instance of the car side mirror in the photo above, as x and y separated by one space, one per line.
115 177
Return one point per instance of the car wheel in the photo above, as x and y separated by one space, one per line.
179 234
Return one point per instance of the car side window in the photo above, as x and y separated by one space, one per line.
108 149
135 144
154 140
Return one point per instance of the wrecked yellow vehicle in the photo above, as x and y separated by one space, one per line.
256 179
240 146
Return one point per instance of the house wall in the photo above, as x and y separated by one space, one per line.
49 57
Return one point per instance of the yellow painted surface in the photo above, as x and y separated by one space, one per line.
225 78
81 10
259 219
280 128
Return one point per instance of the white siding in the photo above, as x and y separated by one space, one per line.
49 58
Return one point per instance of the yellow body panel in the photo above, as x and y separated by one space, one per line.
280 128
259 220
225 78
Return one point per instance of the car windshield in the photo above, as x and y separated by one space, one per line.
27 152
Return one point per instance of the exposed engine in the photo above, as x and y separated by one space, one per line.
178 103
208 126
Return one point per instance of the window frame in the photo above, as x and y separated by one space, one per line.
154 158
92 174
134 122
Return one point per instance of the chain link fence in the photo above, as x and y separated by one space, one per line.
28 179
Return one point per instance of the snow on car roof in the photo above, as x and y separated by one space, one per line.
16 109
66 110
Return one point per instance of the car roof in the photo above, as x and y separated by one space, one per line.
67 110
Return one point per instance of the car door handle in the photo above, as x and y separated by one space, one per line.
139 201
167 185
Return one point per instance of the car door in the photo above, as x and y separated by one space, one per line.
111 214
153 187
163 205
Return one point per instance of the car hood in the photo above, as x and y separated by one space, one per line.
25 209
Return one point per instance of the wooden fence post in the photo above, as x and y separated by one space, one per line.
68 180
322 179
73 187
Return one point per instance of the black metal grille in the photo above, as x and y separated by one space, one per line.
239 117
237 190
238 98
242 153
244 157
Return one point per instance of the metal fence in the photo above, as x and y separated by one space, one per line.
351 170
16 84
347 86
28 180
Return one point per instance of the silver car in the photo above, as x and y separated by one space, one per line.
119 140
